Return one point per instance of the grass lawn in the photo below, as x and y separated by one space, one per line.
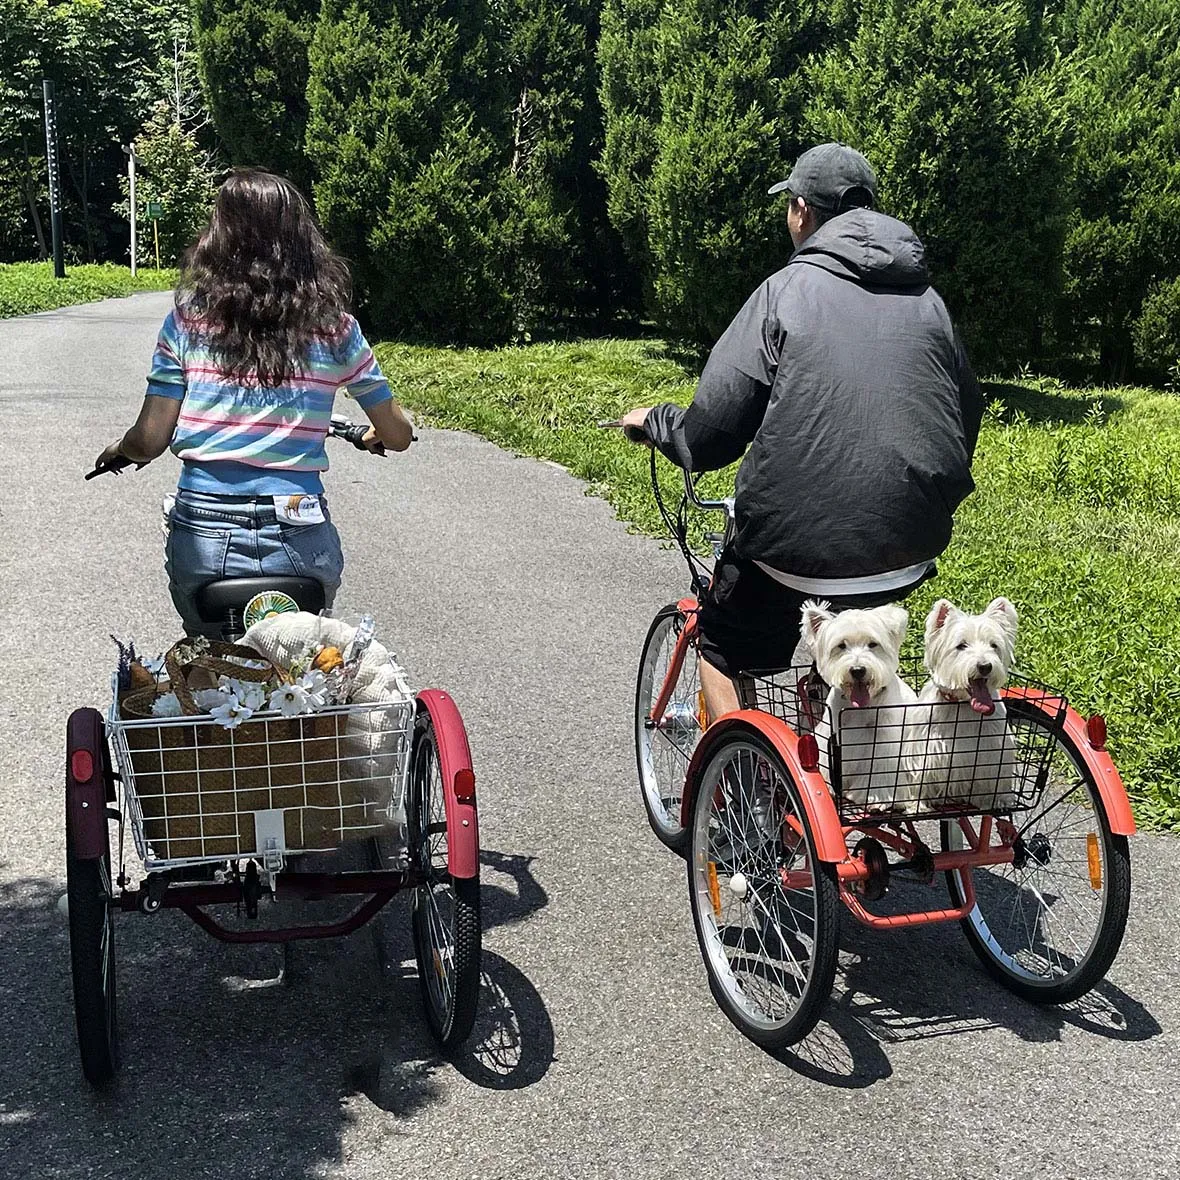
30 286
1076 517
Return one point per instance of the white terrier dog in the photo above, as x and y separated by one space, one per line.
959 749
856 653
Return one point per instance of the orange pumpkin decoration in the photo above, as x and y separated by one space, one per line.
327 659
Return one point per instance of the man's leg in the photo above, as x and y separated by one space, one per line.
721 694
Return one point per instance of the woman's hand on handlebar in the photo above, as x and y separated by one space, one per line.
372 442
108 455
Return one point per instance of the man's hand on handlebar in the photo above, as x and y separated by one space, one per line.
632 424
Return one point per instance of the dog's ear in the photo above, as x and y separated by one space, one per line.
815 615
1004 613
896 619
940 612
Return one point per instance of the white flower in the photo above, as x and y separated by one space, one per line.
155 665
249 692
167 706
291 700
209 699
232 713
315 684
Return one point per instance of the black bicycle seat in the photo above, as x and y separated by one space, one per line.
215 600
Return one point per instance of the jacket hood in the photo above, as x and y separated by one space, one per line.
867 247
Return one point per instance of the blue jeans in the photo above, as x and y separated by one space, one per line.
212 537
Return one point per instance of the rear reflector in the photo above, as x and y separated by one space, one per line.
1093 860
82 766
465 785
809 752
1096 731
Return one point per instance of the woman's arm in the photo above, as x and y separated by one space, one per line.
148 439
391 428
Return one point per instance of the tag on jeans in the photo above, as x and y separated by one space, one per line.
299 509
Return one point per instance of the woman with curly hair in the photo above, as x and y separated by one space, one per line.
241 387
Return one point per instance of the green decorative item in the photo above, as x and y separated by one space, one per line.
269 602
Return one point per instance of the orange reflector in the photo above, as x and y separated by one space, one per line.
702 712
465 785
82 766
1094 860
809 752
714 890
1096 731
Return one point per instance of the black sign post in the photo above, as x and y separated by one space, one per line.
59 264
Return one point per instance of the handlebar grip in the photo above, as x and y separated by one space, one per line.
115 465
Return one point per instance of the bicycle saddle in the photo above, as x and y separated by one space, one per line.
215 600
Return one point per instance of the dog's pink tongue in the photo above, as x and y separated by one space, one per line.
859 694
981 698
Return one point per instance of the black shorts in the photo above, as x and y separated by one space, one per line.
750 621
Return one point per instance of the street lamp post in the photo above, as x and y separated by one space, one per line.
130 150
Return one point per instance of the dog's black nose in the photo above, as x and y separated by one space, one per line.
985 669
857 673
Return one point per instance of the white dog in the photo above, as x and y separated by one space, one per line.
856 653
959 750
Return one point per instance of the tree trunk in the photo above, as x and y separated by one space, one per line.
30 188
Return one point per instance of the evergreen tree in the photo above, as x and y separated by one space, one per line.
948 100
1123 82
703 104
253 56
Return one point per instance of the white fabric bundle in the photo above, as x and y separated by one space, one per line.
378 739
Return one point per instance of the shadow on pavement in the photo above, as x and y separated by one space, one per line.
922 983
232 1067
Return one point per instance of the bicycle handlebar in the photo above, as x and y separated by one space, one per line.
338 427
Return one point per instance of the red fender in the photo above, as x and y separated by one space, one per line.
87 787
822 815
1097 760
458 778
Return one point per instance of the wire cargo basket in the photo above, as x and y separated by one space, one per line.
925 760
196 791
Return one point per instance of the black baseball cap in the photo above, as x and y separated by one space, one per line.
825 175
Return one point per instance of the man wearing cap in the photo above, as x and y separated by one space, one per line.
845 377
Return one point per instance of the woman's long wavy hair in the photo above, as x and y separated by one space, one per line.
261 281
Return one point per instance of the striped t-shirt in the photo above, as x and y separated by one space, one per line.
249 440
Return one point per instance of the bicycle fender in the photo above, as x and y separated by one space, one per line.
822 815
86 784
458 778
1098 762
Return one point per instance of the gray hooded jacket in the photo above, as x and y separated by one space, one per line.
845 373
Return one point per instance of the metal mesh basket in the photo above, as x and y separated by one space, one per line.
922 761
196 791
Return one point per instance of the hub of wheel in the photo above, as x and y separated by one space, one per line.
871 854
1036 848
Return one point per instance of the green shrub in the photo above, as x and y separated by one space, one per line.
947 100
253 56
703 104
445 138
1157 331
1122 78
27 287
1074 518
176 172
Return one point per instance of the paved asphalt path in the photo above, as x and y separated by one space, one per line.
600 1052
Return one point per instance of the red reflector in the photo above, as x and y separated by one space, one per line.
465 785
1096 731
82 766
809 752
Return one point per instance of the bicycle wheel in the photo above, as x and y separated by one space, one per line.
446 909
663 749
1048 926
764 906
92 962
